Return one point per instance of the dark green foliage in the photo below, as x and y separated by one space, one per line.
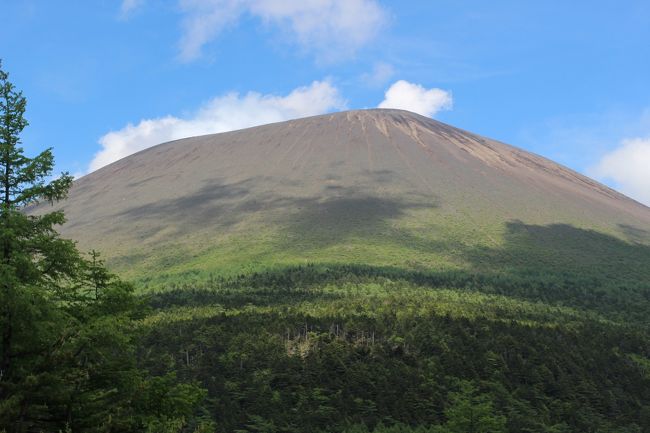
328 349
31 254
467 413
68 343
471 413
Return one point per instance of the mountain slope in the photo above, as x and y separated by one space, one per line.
382 187
446 272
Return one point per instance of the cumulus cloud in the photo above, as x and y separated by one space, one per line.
224 113
331 28
628 166
413 97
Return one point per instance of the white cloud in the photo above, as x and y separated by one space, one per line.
223 113
331 28
413 97
628 166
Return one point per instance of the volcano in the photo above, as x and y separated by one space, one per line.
380 187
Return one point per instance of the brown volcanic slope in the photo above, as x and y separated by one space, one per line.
383 187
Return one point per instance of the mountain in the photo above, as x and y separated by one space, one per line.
376 271
379 187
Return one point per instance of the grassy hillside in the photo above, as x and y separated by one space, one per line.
554 251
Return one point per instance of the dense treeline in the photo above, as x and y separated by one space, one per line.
364 354
625 299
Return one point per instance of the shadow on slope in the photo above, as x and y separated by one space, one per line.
539 251
335 213
318 224
565 251
208 206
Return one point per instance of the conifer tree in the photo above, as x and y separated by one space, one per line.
35 263
67 343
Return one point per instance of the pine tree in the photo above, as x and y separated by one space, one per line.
67 349
35 263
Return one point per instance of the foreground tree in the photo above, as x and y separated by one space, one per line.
67 349
36 264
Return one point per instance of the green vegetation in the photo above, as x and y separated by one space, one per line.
547 331
68 344
358 348
523 251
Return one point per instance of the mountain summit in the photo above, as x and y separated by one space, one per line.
382 187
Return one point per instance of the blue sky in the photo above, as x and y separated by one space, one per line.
567 80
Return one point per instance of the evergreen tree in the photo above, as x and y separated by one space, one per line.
68 344
36 265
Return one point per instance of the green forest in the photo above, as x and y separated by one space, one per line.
312 348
